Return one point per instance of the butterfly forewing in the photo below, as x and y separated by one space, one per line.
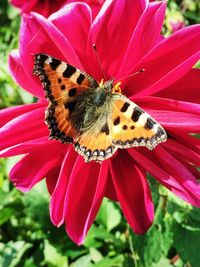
62 83
132 126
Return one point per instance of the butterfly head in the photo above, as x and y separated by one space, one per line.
105 90
106 85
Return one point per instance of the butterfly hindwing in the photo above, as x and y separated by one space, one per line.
96 143
62 83
131 126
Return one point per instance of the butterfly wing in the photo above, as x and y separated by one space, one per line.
62 84
120 123
131 126
96 143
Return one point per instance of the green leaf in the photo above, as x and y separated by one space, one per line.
111 262
163 262
109 215
84 261
95 255
11 253
157 241
187 244
29 263
36 202
53 257
5 214
97 235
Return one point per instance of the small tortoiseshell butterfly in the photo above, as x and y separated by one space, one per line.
95 117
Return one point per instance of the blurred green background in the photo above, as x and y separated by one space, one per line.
27 237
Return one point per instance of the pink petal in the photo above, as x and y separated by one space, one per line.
179 121
193 169
52 178
133 192
22 77
183 50
10 113
59 194
34 166
182 151
25 6
150 102
42 7
144 37
193 142
181 90
23 128
185 187
25 147
76 18
39 35
111 32
84 197
110 189
178 170
46 8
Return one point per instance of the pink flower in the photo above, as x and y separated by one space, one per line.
127 37
47 7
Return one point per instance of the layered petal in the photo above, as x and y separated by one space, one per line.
183 184
182 152
145 36
23 128
32 168
84 196
185 89
10 113
111 32
157 103
110 189
77 19
39 35
43 7
22 77
25 147
25 6
192 141
59 193
133 192
183 50
179 121
52 178
47 7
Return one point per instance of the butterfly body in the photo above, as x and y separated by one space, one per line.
93 116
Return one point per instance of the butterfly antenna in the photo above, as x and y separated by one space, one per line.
99 62
133 74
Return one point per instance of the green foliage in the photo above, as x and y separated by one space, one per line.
27 236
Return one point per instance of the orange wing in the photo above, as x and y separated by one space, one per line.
131 126
62 83
96 143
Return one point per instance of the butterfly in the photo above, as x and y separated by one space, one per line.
95 117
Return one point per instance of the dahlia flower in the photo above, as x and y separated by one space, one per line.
127 37
47 7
